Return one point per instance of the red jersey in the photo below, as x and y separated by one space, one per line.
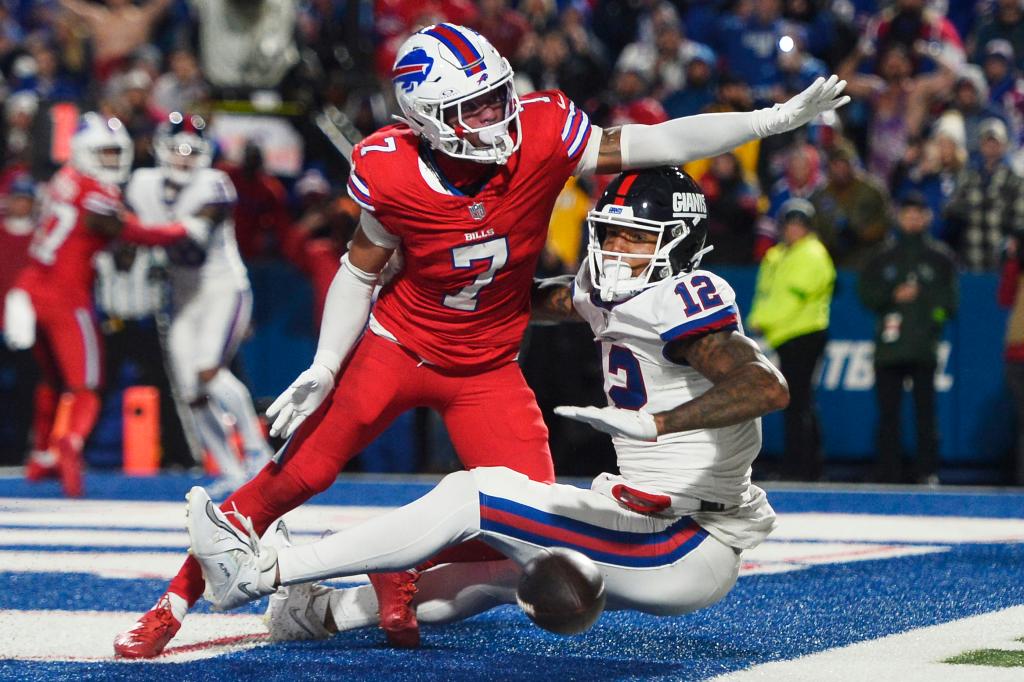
462 301
62 249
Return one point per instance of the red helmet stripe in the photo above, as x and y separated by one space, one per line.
620 194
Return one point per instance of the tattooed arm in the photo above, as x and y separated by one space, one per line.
746 384
551 300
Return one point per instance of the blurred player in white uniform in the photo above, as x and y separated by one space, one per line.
210 294
686 391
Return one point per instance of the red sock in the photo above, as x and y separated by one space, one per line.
45 412
85 409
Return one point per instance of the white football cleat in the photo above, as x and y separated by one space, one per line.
236 568
297 612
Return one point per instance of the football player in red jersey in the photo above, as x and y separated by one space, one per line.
50 307
463 188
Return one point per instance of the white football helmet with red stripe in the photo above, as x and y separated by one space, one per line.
436 72
102 149
663 200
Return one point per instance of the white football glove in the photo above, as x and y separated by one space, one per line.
635 424
300 400
197 228
19 320
821 95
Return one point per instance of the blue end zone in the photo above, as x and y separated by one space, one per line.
767 617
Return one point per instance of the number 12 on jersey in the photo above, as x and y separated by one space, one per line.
707 295
495 252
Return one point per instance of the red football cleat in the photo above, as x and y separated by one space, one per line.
397 615
69 464
41 465
150 634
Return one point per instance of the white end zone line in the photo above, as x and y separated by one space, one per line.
86 636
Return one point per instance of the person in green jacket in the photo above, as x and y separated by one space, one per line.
910 284
791 310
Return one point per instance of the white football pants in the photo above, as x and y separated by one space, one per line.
659 565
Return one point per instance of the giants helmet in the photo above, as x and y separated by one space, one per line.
181 147
439 69
101 149
663 200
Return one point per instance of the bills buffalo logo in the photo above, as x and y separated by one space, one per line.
412 69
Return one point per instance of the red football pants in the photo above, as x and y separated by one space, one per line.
69 350
69 346
492 418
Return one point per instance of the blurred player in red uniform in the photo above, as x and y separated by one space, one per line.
50 307
463 188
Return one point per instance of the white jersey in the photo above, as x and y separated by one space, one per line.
220 265
706 464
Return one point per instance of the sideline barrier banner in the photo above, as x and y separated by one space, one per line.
975 414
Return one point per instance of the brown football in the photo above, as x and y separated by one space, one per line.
562 591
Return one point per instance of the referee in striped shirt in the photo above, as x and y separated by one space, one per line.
130 295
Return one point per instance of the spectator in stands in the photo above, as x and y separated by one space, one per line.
554 64
131 99
261 214
1005 23
791 310
898 103
700 85
1010 296
11 32
316 242
732 212
988 205
501 24
45 78
246 45
117 28
911 287
971 101
1004 86
182 86
851 209
748 41
19 115
663 62
934 167
802 178
911 24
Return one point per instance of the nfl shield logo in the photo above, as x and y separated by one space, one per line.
477 211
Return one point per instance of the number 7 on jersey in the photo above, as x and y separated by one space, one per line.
495 252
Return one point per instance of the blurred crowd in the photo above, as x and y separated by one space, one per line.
938 98
937 116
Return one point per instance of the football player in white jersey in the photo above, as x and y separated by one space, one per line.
686 390
210 294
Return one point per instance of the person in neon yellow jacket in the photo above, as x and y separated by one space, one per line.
791 310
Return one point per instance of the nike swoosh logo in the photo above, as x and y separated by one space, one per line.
211 513
244 589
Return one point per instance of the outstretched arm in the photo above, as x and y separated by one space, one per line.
551 300
680 140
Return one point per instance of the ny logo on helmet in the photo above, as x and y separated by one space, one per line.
412 69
